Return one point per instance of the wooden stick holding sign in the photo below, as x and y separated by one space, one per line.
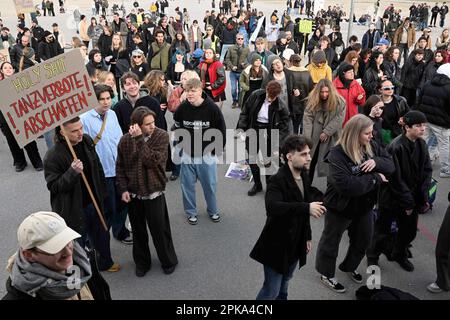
86 183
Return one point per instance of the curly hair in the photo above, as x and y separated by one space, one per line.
152 82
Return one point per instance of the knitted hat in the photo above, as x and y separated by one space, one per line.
271 59
344 67
319 57
256 57
197 54
444 69
46 34
414 117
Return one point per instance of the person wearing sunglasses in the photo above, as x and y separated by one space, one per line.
395 107
139 64
236 61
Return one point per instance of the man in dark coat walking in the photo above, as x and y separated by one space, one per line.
286 238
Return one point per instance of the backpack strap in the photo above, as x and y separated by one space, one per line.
98 137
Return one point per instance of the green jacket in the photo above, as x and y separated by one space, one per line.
159 56
237 59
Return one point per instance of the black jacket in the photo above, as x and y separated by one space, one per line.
392 124
283 239
301 80
434 100
124 109
278 114
408 186
430 71
65 184
104 44
350 191
412 72
48 50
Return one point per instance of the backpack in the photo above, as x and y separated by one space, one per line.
384 293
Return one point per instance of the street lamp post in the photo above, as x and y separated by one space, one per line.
350 21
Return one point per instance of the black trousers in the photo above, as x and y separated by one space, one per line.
95 236
252 158
383 236
443 254
407 231
360 231
410 96
433 18
151 213
17 153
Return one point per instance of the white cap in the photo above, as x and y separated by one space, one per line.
287 53
444 69
46 231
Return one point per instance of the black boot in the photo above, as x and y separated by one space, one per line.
254 190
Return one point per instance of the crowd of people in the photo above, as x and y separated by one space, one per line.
369 116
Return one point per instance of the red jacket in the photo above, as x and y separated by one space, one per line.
351 97
213 76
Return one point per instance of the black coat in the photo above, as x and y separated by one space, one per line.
278 114
124 109
48 50
64 183
412 72
283 239
434 100
350 191
408 186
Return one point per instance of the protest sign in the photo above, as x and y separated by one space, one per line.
305 26
24 6
257 29
46 95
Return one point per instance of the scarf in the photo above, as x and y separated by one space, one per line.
33 278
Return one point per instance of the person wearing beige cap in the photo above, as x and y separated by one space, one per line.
49 265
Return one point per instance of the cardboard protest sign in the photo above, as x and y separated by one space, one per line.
46 95
305 26
24 6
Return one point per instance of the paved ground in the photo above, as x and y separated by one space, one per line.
214 261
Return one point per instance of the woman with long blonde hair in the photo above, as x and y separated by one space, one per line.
322 123
118 58
358 166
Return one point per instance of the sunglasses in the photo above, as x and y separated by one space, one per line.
388 88
239 38
137 56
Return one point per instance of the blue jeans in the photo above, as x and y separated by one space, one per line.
115 211
235 87
275 284
206 171
48 136
224 51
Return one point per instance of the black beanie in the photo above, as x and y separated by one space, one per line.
344 67
414 117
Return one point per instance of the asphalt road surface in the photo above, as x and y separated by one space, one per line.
213 258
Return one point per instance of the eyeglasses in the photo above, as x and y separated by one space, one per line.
388 88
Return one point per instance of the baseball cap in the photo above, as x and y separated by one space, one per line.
46 231
383 41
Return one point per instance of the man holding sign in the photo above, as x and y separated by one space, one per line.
69 196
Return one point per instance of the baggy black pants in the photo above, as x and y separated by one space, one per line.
443 254
151 213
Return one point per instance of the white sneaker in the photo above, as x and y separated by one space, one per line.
444 174
434 288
